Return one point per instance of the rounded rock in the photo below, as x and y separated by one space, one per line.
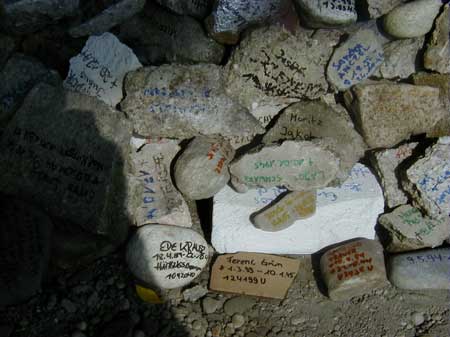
238 321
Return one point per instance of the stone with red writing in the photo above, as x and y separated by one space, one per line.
353 269
327 13
202 169
166 257
408 229
386 163
355 60
425 269
378 8
437 53
195 8
100 68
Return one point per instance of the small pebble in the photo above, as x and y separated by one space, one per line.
238 321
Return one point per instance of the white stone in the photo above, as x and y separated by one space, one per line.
324 13
342 213
100 68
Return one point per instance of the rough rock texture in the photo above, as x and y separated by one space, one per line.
327 13
24 249
110 17
100 68
355 60
202 169
387 113
7 46
159 36
437 54
166 257
425 269
377 8
182 102
412 19
196 8
408 229
386 163
297 165
66 152
353 269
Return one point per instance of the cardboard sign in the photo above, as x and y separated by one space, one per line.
254 274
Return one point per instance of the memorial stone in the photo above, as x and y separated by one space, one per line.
166 257
327 13
378 8
196 8
100 68
437 53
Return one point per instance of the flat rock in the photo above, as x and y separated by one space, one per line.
425 269
110 17
24 248
184 101
387 113
195 8
195 293
7 46
342 213
66 152
298 165
408 229
386 163
166 257
355 60
331 13
353 269
286 211
202 169
152 196
100 68
378 8
412 19
437 54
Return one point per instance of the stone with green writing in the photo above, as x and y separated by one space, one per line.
297 165
353 269
437 53
180 101
327 13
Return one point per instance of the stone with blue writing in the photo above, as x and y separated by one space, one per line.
355 60
196 8
166 257
180 101
202 169
437 53
327 13
425 269
100 68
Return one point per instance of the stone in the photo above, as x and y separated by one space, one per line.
238 321
196 8
210 305
387 113
298 165
386 163
166 257
428 180
159 36
152 195
195 293
24 250
67 152
425 269
202 169
378 8
437 53
238 305
100 68
107 19
353 269
318 120
7 46
286 211
408 229
355 60
181 101
342 213
20 74
372 25
412 19
331 13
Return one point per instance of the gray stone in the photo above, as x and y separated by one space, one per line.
196 8
355 60
412 19
24 250
298 165
409 230
386 163
425 269
159 36
210 305
166 257
353 269
330 13
7 46
202 169
110 17
372 25
387 113
66 152
69 306
195 293
184 101
100 68
238 321
378 8
238 305
437 54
